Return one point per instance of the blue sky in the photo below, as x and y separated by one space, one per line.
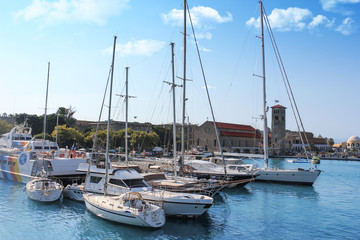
318 41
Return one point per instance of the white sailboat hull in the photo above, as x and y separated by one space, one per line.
296 176
43 190
104 207
175 204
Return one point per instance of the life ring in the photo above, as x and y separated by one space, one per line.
188 169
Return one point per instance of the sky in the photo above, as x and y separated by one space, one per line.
318 41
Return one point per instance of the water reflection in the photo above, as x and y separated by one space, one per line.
299 191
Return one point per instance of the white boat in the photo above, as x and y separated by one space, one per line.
297 176
208 170
128 208
44 189
74 192
125 179
21 158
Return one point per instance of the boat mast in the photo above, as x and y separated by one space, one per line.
44 130
174 113
181 170
265 133
107 162
126 116
57 126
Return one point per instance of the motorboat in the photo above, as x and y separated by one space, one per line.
22 158
209 170
125 179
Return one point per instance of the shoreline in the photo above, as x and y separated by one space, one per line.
323 158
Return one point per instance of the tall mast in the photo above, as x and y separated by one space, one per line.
265 133
174 113
107 163
126 96
57 125
126 116
46 99
184 99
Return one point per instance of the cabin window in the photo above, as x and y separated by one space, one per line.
94 179
133 183
28 138
38 147
118 182
53 148
10 163
4 162
46 147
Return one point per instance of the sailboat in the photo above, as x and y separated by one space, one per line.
295 176
128 208
43 188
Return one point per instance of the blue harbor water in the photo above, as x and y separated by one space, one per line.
330 209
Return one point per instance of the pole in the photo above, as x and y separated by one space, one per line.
126 116
265 133
181 170
107 163
57 126
174 112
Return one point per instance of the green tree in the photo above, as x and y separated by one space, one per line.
331 142
41 136
68 136
141 140
5 127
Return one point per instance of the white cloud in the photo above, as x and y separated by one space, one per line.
321 20
199 15
137 48
346 28
203 18
84 11
297 19
291 19
338 5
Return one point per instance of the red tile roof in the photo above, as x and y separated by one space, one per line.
233 126
278 106
239 134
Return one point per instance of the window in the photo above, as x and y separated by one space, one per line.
94 179
276 118
198 142
117 182
54 148
214 143
133 183
38 147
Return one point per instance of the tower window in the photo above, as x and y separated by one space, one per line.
276 118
